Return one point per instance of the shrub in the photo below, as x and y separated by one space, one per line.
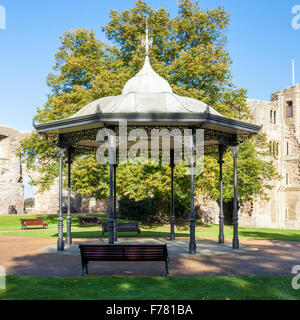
154 211
141 211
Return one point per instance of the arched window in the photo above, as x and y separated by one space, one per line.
274 121
287 148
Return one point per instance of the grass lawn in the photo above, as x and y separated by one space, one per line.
146 288
12 223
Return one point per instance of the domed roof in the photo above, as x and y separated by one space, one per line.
147 81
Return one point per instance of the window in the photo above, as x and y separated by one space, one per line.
289 109
287 149
271 116
287 178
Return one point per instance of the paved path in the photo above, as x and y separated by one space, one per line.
22 256
176 248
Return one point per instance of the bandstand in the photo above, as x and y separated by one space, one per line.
147 102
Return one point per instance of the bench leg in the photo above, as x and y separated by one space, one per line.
84 269
167 267
102 234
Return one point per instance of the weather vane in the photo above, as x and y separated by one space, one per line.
147 42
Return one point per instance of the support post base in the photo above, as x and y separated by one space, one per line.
235 244
221 239
60 245
192 249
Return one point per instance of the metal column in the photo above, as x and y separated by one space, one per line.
111 218
235 240
192 244
172 216
60 240
221 217
115 202
69 217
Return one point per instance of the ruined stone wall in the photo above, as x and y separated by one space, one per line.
11 173
283 208
48 202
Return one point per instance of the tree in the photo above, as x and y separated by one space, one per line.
189 51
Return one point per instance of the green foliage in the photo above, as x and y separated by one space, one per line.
29 203
142 210
189 51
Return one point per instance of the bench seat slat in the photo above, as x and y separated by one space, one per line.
122 227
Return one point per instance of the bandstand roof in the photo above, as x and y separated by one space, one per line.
147 100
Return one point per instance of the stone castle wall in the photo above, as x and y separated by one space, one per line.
11 172
283 130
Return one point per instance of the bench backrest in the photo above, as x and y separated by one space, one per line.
125 252
36 221
127 226
123 226
89 219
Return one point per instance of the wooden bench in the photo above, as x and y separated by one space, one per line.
123 252
122 227
33 222
86 220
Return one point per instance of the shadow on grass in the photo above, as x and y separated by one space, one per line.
284 236
144 233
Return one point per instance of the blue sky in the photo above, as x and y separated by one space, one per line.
261 43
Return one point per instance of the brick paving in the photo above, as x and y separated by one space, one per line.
21 256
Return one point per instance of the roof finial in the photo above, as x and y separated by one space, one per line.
147 42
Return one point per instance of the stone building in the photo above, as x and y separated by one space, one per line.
280 118
11 171
47 202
